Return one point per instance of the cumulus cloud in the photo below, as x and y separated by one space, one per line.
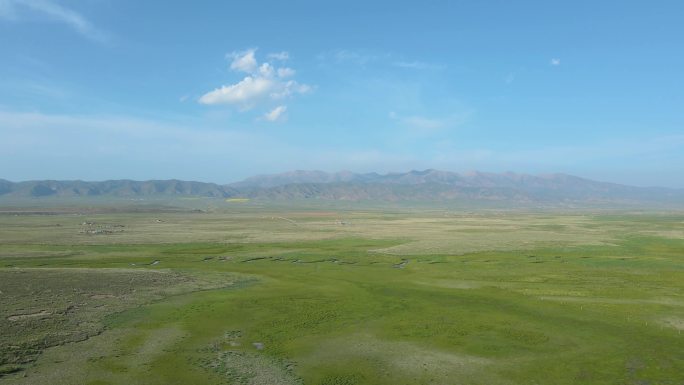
289 88
243 61
266 70
252 90
276 114
12 9
247 91
264 84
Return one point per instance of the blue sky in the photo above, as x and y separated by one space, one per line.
218 91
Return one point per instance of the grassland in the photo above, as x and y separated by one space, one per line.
247 294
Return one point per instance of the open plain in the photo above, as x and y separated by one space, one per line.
215 292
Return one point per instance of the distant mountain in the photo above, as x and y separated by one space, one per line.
435 185
300 176
426 185
120 188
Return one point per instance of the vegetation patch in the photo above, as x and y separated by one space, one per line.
45 307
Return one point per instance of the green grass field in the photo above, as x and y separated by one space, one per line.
246 294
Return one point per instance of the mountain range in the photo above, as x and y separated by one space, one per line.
426 185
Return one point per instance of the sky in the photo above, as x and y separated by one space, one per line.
218 91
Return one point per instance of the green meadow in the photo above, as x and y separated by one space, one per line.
240 293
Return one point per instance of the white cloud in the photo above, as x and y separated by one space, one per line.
289 88
10 9
252 90
276 114
284 55
286 72
247 91
243 61
555 62
266 70
263 84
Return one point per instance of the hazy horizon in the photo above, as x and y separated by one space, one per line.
224 183
219 92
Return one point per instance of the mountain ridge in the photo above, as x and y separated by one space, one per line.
417 185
